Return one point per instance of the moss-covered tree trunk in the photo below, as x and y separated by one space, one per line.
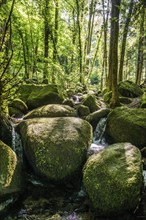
125 32
113 55
140 57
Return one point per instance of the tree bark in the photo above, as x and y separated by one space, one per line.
113 55
125 32
140 58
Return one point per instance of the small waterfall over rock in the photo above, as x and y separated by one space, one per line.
99 142
16 143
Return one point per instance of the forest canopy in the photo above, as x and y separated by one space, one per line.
68 42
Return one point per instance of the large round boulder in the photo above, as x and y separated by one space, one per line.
10 171
52 110
113 179
127 125
56 147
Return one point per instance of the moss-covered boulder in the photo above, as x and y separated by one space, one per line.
20 105
83 110
95 117
129 89
91 102
39 95
56 147
53 110
127 125
113 179
10 171
69 102
143 100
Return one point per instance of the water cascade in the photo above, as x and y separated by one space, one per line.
16 143
99 142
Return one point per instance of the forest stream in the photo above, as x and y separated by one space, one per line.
43 201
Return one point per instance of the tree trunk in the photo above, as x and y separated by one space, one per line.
46 39
125 32
79 42
105 31
113 55
55 39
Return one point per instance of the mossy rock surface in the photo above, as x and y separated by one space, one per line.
10 171
113 179
39 95
83 110
56 147
129 89
52 110
143 100
91 102
127 125
26 89
20 105
68 102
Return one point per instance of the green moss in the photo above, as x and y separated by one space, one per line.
10 174
127 125
52 110
129 89
20 105
56 147
113 179
143 100
91 102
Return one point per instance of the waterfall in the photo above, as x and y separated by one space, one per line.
16 143
99 142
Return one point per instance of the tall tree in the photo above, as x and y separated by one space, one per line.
124 38
113 53
140 58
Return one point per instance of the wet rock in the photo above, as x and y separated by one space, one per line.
113 179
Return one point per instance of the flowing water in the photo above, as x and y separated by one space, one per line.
16 143
45 201
99 141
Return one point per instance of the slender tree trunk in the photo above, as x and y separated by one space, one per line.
79 42
140 50
113 55
46 39
105 31
24 54
55 39
125 32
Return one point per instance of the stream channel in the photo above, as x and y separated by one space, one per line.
43 201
